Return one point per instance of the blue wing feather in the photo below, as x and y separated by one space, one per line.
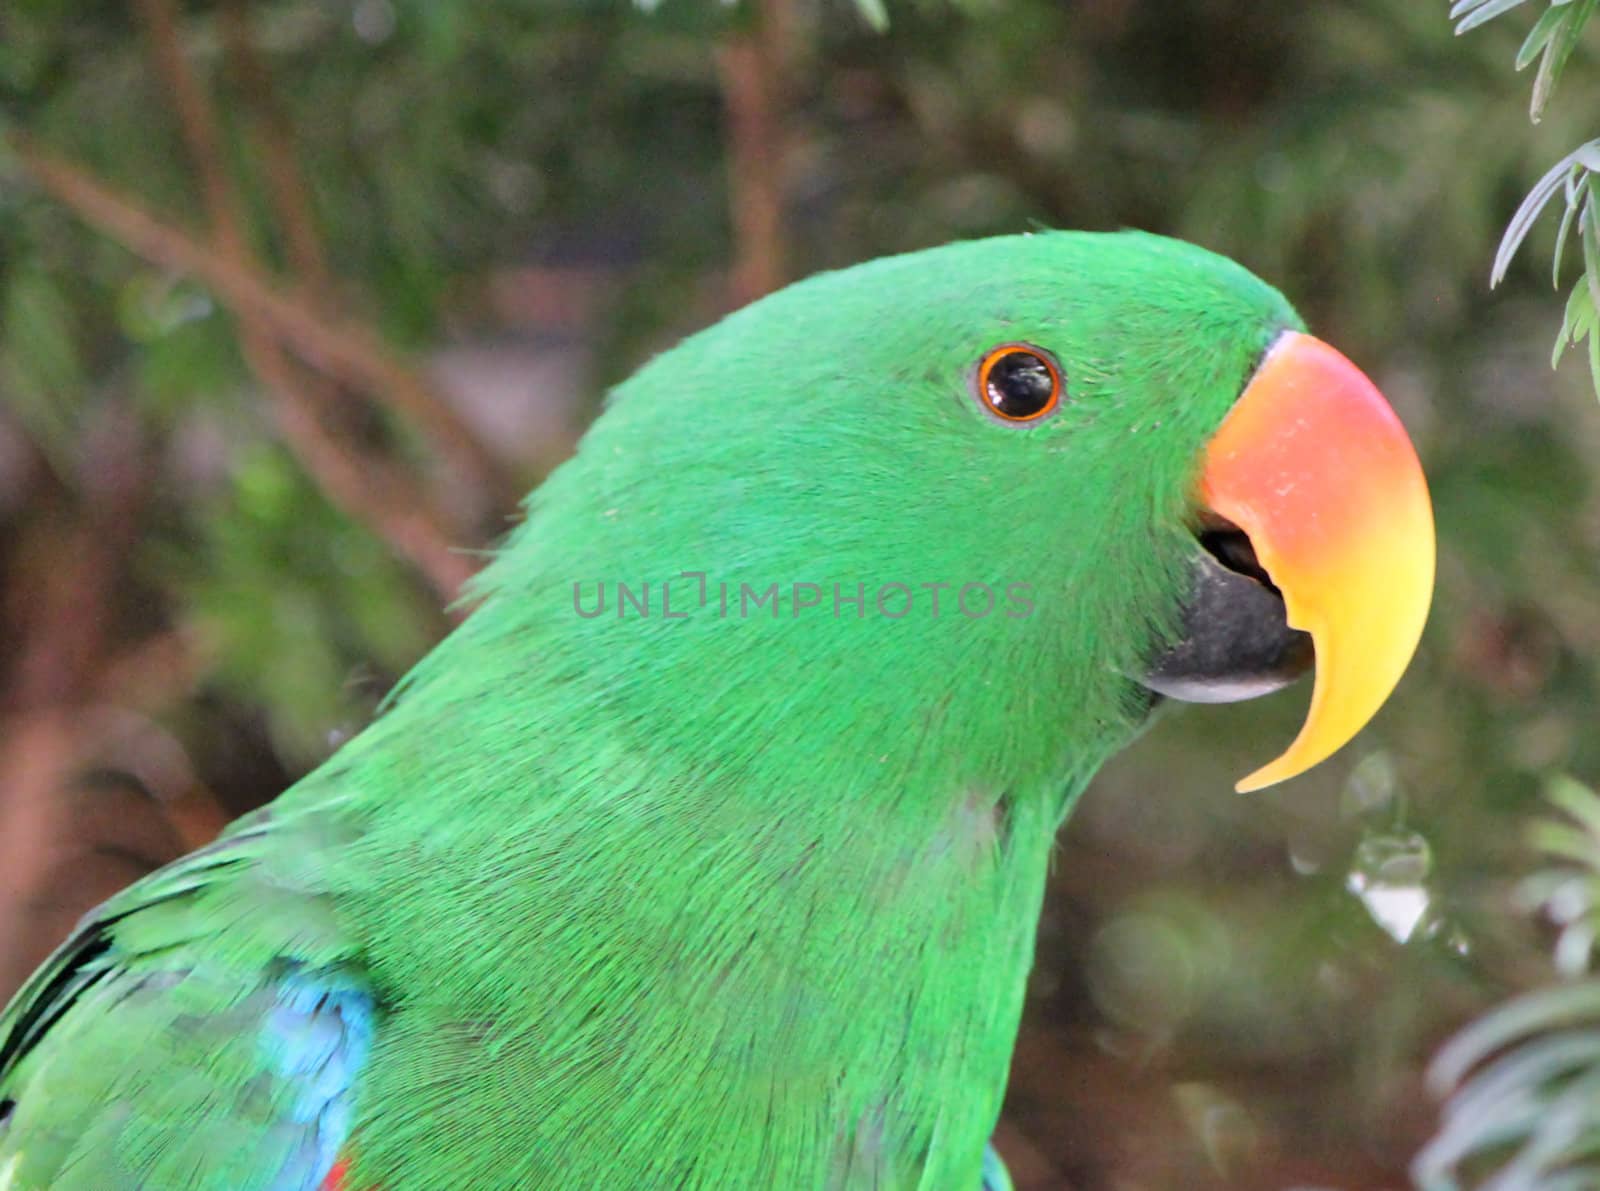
145 1054
318 1035
995 1177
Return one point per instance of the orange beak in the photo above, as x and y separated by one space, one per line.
1316 470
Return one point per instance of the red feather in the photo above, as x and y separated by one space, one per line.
335 1179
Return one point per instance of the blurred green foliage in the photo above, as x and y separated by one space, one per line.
1523 1082
272 562
1233 992
1576 177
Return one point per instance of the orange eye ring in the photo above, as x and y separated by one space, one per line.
1019 384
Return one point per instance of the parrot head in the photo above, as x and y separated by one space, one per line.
1008 493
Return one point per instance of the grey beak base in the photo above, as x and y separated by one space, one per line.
1235 642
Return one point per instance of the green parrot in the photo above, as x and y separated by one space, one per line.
708 851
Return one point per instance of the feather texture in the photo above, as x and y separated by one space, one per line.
257 1047
686 893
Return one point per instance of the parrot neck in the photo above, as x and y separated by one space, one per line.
827 936
772 713
687 701
711 869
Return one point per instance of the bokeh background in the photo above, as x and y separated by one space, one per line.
298 296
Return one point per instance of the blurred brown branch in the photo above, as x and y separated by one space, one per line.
753 66
68 662
200 133
72 710
60 613
286 182
345 349
369 488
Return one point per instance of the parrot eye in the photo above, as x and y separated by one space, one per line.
1018 383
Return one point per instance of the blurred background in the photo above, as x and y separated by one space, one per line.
297 297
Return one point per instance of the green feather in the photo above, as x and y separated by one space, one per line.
713 900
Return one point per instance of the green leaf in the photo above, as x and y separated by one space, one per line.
1469 14
1523 220
874 13
1540 36
1504 1100
1562 43
1576 799
1579 313
1562 841
1550 1008
1568 217
1589 321
1589 228
1575 946
1559 175
1594 357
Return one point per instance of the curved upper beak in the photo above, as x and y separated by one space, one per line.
1315 469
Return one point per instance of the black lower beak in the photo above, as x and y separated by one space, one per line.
1234 641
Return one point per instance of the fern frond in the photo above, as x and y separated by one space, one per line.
1552 41
1522 1084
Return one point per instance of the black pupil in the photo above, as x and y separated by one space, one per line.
1020 385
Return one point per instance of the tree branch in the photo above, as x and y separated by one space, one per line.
286 182
377 494
62 615
363 486
198 124
337 346
753 66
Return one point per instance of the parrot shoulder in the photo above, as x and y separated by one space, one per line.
204 1028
